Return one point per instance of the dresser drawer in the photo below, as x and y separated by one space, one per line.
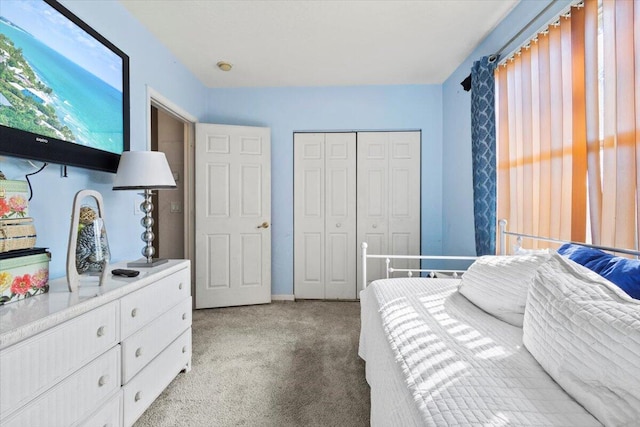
74 398
145 387
140 307
33 366
109 415
141 347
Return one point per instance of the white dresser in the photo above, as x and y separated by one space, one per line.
96 357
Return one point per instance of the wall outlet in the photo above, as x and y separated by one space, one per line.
176 207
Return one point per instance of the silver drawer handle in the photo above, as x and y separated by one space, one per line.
134 312
103 380
100 331
180 286
184 316
139 352
138 396
184 349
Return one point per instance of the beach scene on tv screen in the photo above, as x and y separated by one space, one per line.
57 80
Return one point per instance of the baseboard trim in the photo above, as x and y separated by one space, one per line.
283 298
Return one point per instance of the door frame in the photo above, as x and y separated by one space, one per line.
157 100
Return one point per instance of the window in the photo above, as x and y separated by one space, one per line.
568 126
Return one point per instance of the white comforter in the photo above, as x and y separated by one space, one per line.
435 359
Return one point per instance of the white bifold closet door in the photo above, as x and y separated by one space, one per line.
351 188
388 191
325 215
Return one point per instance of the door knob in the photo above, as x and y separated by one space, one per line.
264 225
338 225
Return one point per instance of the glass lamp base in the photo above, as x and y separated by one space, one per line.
142 263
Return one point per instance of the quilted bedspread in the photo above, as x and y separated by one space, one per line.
585 332
435 359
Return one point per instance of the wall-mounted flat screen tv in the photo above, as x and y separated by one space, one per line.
64 89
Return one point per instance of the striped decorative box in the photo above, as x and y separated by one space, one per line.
18 233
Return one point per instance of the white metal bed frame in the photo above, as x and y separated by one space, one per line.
456 273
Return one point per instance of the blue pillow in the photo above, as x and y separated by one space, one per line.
624 272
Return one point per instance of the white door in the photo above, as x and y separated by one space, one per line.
233 215
325 215
388 197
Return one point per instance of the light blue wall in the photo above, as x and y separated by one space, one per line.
150 64
457 184
286 110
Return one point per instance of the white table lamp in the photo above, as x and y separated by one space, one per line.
144 170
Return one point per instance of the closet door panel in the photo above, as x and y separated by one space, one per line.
340 220
312 188
401 194
338 266
372 221
404 210
375 198
388 198
309 207
312 266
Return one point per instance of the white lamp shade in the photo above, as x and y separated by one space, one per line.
143 170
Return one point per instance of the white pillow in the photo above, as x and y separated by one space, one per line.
585 332
499 284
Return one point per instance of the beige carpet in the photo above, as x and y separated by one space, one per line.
282 364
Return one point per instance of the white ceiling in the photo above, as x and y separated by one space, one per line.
320 42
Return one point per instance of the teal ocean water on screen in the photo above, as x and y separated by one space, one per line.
87 105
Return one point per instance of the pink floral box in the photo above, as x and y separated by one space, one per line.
23 276
13 199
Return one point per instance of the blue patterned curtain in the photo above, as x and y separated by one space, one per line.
483 149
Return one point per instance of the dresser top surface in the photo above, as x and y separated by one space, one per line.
22 319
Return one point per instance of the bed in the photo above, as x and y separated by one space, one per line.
562 349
